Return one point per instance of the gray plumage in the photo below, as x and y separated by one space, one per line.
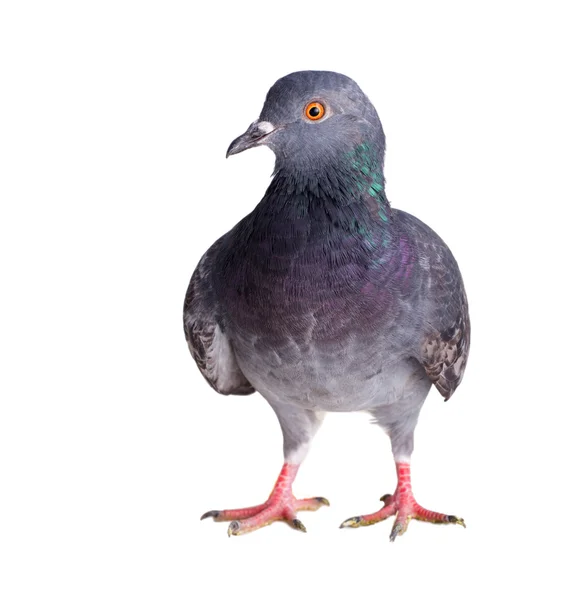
324 298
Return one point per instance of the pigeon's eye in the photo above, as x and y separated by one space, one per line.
314 111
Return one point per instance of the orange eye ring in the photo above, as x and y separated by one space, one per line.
314 111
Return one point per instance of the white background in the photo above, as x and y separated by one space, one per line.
114 122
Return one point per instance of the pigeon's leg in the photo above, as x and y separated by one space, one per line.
298 426
399 420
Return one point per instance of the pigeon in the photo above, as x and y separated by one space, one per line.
326 299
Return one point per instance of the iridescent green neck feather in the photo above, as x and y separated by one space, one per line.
366 174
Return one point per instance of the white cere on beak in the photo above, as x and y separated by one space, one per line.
265 127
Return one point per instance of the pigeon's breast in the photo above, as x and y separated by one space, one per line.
308 321
313 286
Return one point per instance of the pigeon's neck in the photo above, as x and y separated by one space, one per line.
351 182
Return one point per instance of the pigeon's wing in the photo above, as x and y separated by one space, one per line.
207 341
445 347
445 353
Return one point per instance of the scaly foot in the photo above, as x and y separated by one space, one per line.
402 504
280 506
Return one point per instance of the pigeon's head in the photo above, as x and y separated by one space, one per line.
311 118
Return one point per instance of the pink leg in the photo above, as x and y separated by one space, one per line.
280 506
402 504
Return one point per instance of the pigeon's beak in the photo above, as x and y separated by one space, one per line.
253 136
